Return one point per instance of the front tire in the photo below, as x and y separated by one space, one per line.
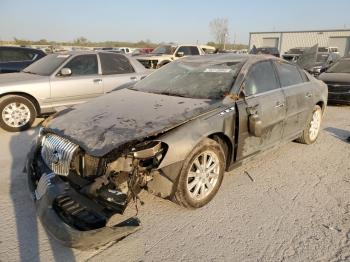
201 175
17 113
312 130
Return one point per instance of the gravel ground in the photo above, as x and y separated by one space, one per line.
295 206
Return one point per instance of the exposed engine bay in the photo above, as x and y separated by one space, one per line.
95 191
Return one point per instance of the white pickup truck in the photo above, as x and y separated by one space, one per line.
164 54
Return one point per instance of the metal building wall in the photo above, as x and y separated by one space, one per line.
288 40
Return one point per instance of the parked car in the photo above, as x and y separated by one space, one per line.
164 54
14 59
293 54
62 80
337 77
173 133
265 50
316 62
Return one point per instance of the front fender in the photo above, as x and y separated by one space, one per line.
183 139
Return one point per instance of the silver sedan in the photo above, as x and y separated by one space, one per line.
62 80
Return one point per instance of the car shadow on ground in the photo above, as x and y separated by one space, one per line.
341 134
27 228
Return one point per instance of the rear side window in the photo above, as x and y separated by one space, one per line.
12 55
289 74
83 65
261 78
115 64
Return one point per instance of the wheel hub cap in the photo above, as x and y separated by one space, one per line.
203 175
315 125
16 115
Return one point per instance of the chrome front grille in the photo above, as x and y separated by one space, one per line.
57 153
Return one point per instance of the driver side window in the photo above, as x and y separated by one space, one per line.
261 78
83 65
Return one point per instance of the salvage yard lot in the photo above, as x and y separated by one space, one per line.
292 204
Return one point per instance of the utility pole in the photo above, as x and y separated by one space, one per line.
226 35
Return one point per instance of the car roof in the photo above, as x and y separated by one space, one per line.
21 48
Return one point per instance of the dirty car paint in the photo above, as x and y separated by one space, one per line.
117 118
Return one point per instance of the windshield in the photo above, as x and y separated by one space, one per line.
192 79
342 66
46 65
163 49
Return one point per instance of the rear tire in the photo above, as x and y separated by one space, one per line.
312 130
201 175
17 113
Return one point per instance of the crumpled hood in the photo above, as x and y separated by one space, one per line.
19 78
124 116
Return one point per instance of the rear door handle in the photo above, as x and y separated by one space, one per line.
133 78
279 105
308 94
97 81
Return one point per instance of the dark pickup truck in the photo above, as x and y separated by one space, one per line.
174 134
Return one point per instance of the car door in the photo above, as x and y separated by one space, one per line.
263 98
82 84
116 70
298 92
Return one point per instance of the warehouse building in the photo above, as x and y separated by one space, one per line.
290 39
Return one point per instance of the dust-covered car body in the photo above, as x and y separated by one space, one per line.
96 161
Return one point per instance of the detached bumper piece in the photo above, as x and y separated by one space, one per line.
72 218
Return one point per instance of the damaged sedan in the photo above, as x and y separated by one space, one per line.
173 134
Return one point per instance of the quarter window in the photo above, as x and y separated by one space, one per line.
289 74
83 65
261 78
115 64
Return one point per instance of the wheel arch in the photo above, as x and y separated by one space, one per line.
226 145
27 96
321 104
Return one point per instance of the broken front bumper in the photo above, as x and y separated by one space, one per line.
51 194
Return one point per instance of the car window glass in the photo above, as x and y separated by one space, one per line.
15 55
189 50
261 78
289 74
304 76
83 65
115 64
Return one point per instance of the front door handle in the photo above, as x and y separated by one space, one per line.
308 94
279 105
133 78
97 81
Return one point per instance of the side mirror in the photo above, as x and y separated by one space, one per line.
66 72
255 125
180 54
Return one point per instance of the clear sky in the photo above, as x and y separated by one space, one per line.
178 21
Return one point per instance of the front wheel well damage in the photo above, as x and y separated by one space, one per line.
226 145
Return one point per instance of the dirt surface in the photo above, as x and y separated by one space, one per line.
290 204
